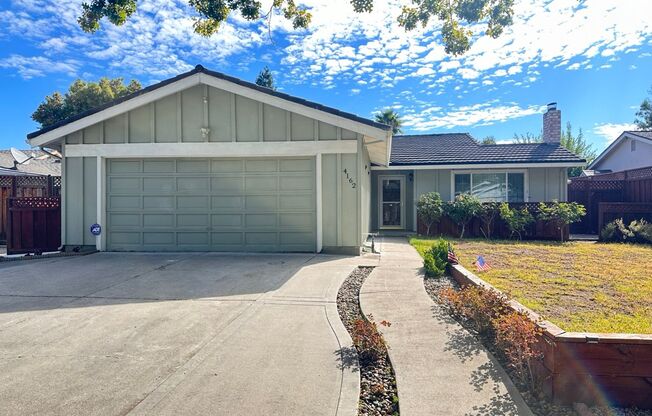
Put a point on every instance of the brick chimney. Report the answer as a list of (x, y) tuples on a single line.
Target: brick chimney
[(552, 124)]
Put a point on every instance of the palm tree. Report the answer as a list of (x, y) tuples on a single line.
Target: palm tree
[(391, 118)]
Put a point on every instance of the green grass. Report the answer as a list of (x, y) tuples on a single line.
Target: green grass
[(578, 286)]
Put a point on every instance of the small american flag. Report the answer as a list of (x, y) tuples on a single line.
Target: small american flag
[(482, 265), (452, 258)]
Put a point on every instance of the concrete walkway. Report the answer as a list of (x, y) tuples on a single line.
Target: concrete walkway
[(440, 368), (176, 334)]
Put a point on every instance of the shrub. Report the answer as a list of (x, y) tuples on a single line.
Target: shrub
[(429, 209), (462, 209), (516, 337), (435, 259), (617, 232), (368, 340), (561, 214), (487, 214), (475, 305), (517, 220), (642, 231)]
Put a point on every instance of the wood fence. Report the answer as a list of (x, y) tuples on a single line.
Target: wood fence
[(34, 225), (538, 230), (24, 186), (626, 187)]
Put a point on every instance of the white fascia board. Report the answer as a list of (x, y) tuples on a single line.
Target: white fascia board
[(226, 149), (608, 150), (293, 107), (480, 166), (58, 133)]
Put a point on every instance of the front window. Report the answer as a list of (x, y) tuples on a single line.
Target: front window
[(492, 186)]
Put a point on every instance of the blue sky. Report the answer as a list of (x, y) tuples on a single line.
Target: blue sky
[(593, 57)]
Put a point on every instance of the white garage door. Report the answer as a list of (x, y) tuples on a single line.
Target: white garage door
[(211, 204)]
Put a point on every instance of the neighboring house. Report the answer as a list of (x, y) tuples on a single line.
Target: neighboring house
[(204, 161), (25, 180), (631, 150)]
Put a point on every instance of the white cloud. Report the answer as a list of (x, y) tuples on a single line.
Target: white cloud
[(37, 66), (611, 131), (481, 114)]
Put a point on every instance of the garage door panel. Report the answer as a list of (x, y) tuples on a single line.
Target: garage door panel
[(226, 220), (227, 185), (165, 185), (158, 220), (193, 202), (159, 203), (193, 184), (261, 203), (211, 204)]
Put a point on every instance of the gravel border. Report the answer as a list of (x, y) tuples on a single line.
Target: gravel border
[(539, 405), (378, 393)]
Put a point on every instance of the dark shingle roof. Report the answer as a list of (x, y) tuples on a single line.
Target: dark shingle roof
[(48, 166), (647, 134), (462, 149), (201, 69)]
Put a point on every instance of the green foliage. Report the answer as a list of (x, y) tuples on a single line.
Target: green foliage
[(579, 146), (528, 138), (561, 214), (617, 232), (463, 208), (210, 14), (517, 220), (391, 118), (429, 209), (488, 140), (435, 259), (265, 78), (644, 114), (81, 96), (487, 214), (497, 14)]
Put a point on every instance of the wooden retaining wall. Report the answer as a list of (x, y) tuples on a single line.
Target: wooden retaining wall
[(590, 368)]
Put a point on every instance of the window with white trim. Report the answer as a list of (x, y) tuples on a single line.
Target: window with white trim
[(491, 186)]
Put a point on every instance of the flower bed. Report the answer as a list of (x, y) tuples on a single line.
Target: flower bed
[(378, 394)]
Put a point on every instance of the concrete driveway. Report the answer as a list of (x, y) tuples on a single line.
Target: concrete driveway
[(175, 334)]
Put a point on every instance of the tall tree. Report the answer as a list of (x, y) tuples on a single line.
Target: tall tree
[(457, 16), (265, 78), (576, 144), (644, 114), (488, 140), (579, 146), (391, 118), (528, 138), (81, 96)]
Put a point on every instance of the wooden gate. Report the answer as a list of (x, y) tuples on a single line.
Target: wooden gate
[(34, 225)]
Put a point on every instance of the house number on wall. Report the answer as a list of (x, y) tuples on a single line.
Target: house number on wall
[(351, 181)]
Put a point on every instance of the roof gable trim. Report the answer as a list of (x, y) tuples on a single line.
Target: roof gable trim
[(614, 145)]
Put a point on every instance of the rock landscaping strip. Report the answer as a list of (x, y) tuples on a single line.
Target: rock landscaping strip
[(378, 394), (537, 402)]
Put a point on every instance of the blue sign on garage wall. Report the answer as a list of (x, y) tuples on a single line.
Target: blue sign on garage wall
[(96, 229)]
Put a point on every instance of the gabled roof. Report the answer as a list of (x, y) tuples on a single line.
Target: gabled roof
[(462, 149), (218, 75), (646, 135), (50, 166)]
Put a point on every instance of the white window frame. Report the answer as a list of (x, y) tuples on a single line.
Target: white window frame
[(526, 180), (400, 178)]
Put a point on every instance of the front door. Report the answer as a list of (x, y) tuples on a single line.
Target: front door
[(391, 191)]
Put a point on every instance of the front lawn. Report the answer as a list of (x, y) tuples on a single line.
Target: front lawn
[(580, 287)]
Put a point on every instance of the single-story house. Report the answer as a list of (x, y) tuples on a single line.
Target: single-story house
[(205, 161), (630, 150)]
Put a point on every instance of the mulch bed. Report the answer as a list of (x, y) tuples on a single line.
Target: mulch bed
[(378, 394), (538, 404)]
